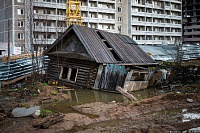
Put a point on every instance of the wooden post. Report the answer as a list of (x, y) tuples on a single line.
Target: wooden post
[(8, 40), (126, 94)]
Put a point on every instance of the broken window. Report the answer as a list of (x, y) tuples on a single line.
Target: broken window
[(69, 74), (73, 74)]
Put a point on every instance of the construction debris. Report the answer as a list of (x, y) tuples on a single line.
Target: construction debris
[(48, 121), (125, 93), (22, 112)]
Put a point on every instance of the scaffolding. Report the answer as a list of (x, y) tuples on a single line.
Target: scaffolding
[(73, 12)]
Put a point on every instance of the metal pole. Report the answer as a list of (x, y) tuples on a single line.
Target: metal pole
[(8, 40)]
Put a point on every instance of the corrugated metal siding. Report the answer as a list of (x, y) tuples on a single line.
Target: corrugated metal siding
[(94, 44), (129, 53)]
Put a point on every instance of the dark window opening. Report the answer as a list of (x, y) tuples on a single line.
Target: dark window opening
[(109, 47), (107, 44), (115, 55), (100, 35), (69, 74), (73, 74), (65, 72)]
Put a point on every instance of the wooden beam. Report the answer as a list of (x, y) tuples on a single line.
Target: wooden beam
[(126, 94), (14, 80)]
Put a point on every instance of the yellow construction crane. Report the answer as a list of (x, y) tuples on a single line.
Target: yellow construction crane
[(73, 12)]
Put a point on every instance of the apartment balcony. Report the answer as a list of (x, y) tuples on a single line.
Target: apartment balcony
[(159, 24), (61, 6), (93, 20), (138, 32), (84, 8), (176, 9), (192, 27), (43, 41), (192, 33), (149, 5), (167, 7), (150, 41), (45, 4), (158, 7), (176, 25), (105, 20), (93, 9), (158, 15), (173, 33), (105, 1), (176, 17), (106, 10), (192, 39), (49, 29), (176, 1), (138, 22), (98, 20), (138, 5), (49, 17), (149, 14), (133, 13)]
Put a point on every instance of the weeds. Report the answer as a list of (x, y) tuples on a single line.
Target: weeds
[(53, 93), (44, 112)]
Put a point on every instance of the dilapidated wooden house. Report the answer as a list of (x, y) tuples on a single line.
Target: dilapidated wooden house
[(92, 58)]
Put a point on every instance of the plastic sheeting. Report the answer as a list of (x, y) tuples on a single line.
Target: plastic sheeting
[(17, 68), (169, 52)]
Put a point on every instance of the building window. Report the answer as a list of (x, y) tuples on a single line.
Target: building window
[(48, 11), (35, 11), (20, 11), (119, 19), (44, 11), (47, 0), (20, 1), (48, 36), (20, 36), (119, 9), (69, 74), (20, 23), (119, 1), (108, 27), (59, 1), (22, 48), (36, 35)]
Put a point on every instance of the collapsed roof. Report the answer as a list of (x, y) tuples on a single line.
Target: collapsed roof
[(103, 47)]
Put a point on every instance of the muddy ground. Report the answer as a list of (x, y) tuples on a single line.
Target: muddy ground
[(138, 117)]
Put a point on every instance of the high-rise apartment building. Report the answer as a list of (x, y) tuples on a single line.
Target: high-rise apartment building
[(14, 12), (191, 21), (146, 21)]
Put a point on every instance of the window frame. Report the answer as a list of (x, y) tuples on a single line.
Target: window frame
[(68, 77), (20, 36), (20, 23), (20, 11), (20, 1)]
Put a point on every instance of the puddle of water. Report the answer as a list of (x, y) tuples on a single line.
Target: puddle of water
[(82, 96), (184, 115), (145, 93)]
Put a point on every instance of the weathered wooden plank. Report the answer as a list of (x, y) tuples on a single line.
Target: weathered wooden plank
[(126, 94)]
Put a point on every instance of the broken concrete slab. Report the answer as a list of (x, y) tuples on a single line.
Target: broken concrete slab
[(22, 112)]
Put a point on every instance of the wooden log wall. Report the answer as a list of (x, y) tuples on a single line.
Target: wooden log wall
[(87, 71)]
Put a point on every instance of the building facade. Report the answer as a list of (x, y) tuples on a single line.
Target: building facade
[(148, 22), (14, 13), (191, 21)]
